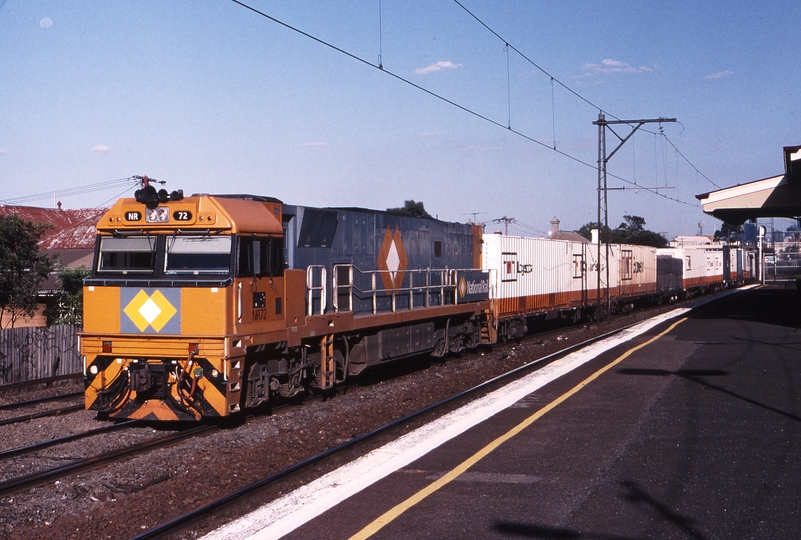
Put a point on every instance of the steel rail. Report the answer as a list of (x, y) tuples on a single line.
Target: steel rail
[(38, 478), (67, 438), (36, 401), (36, 382), (32, 416)]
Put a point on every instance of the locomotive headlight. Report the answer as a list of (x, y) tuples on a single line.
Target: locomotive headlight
[(160, 214), (215, 373), (93, 369)]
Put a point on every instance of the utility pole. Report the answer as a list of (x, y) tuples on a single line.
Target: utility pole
[(507, 221), (605, 302), (475, 216)]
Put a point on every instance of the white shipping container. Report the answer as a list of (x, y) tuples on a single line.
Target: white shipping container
[(534, 275), (538, 275), (636, 275), (702, 266)]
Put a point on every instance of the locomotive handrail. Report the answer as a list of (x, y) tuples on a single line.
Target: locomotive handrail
[(374, 291), (311, 287), (239, 302), (336, 286), (447, 280)]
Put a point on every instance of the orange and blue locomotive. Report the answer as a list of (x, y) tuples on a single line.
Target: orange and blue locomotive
[(207, 305)]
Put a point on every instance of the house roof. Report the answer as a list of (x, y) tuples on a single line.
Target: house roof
[(72, 228), (568, 235)]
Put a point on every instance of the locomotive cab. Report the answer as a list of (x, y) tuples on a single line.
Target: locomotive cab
[(173, 285)]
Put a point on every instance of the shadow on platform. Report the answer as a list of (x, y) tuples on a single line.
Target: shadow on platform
[(778, 305)]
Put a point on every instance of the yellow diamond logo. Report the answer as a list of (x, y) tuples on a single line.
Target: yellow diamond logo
[(150, 310)]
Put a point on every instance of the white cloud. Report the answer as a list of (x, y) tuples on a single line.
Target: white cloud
[(439, 66), (5, 152), (46, 23), (101, 149), (303, 145), (719, 75), (609, 66)]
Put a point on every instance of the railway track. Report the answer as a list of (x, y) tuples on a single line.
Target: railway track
[(42, 414), (207, 510), (54, 473), (29, 449), (36, 402), (29, 402), (47, 381)]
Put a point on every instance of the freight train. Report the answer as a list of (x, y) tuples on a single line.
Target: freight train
[(204, 306)]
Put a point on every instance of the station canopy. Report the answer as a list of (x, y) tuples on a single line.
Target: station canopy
[(778, 196)]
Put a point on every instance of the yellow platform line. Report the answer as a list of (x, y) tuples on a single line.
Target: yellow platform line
[(460, 469)]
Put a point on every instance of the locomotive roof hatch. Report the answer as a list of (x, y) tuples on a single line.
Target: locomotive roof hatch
[(249, 216)]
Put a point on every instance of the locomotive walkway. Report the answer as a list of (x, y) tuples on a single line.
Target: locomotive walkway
[(687, 428)]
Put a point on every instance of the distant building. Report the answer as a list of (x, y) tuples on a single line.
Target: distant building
[(681, 241), (71, 241), (556, 234)]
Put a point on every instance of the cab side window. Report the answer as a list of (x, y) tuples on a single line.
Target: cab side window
[(260, 256)]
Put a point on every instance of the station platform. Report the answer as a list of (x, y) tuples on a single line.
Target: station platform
[(685, 426)]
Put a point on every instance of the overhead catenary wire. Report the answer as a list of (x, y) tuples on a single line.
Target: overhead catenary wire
[(698, 172), (69, 192), (91, 219), (553, 114), (380, 38), (551, 146), (458, 105), (563, 85), (508, 85)]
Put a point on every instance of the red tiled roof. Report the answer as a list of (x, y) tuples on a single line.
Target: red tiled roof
[(72, 229)]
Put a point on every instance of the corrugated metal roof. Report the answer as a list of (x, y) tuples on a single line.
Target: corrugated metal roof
[(72, 229)]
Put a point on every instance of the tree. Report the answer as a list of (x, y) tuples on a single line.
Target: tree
[(414, 209), (631, 231), (586, 231), (632, 224), (728, 232), (68, 305), (22, 268)]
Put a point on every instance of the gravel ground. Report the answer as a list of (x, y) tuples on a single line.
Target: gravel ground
[(124, 499)]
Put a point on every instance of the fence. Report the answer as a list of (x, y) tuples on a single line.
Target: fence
[(782, 267), (28, 354)]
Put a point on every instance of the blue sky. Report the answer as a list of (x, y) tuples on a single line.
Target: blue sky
[(212, 97)]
